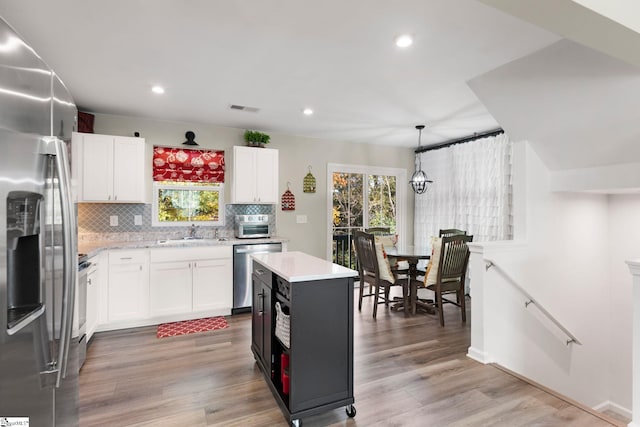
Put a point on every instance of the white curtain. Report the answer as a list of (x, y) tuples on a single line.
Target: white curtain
[(471, 191)]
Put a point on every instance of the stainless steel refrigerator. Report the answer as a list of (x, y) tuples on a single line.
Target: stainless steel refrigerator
[(38, 255)]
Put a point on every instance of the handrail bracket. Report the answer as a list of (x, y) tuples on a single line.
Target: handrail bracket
[(488, 265)]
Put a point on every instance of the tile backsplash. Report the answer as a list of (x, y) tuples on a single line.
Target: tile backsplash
[(94, 222)]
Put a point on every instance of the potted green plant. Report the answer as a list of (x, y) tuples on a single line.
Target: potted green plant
[(254, 138)]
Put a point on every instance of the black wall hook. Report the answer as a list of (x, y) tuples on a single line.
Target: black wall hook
[(190, 138)]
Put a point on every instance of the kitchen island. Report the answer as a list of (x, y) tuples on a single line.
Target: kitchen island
[(302, 332)]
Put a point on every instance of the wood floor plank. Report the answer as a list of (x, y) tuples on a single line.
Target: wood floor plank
[(408, 371)]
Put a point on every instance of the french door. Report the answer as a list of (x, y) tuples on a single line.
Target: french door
[(362, 197)]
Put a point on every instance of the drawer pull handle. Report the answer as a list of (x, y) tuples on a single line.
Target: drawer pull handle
[(128, 257)]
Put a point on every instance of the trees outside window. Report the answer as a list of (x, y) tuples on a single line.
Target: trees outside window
[(180, 204), (361, 197)]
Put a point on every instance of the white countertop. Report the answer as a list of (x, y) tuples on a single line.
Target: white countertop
[(93, 247), (301, 267)]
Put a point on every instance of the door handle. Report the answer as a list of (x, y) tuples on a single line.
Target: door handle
[(68, 253)]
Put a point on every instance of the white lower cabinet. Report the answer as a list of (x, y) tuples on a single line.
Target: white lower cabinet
[(128, 293), (141, 287), (191, 280), (170, 287), (213, 284)]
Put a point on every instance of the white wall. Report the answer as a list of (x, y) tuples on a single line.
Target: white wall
[(624, 244), (565, 266), (296, 154)]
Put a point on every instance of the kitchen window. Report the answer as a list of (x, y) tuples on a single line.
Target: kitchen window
[(187, 187), (186, 203)]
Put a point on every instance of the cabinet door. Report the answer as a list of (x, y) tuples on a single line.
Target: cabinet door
[(244, 175), (261, 322), (128, 291), (170, 288), (97, 168), (213, 284), (266, 167), (128, 169), (93, 285)]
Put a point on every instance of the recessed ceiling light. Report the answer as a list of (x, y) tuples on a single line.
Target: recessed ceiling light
[(307, 111), (157, 89), (404, 40)]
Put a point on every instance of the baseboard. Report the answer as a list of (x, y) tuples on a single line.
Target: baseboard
[(569, 400), (615, 408), (478, 356), (156, 320)]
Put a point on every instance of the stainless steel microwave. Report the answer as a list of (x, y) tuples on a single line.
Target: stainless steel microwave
[(252, 226)]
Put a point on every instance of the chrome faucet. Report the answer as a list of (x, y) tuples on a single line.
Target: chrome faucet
[(192, 233)]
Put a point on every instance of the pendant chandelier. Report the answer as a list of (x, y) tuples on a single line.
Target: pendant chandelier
[(419, 181)]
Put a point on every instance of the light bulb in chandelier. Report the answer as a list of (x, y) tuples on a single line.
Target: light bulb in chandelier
[(419, 181)]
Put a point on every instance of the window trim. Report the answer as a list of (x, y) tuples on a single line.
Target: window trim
[(158, 185), (401, 197)]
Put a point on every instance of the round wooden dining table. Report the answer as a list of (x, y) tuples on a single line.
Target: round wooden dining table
[(412, 257)]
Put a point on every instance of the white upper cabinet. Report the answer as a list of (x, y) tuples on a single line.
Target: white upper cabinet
[(255, 175), (109, 168)]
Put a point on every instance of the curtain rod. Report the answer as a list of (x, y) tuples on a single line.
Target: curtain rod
[(461, 140)]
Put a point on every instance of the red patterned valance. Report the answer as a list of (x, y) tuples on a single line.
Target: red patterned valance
[(184, 165)]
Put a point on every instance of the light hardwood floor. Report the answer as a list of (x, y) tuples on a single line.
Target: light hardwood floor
[(408, 372)]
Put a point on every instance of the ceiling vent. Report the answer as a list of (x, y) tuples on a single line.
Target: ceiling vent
[(244, 108)]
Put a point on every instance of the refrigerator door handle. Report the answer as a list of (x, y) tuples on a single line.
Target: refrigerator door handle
[(69, 257)]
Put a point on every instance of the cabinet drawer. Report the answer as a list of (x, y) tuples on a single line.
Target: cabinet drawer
[(191, 254), (127, 257), (262, 273)]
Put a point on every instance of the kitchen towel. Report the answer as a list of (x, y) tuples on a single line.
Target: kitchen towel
[(191, 326)]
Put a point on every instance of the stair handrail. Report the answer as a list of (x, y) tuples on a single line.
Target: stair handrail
[(531, 300)]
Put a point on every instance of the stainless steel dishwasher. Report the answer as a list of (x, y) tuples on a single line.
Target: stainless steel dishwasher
[(242, 272)]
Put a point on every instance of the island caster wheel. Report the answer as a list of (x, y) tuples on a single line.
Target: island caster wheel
[(296, 423), (351, 411)]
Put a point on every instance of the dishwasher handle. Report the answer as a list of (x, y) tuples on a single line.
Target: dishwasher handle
[(254, 252)]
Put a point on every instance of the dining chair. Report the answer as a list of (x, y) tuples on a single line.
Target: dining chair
[(374, 269), (384, 236), (448, 273), (443, 232)]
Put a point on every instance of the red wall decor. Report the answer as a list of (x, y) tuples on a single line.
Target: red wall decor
[(288, 201), (186, 165)]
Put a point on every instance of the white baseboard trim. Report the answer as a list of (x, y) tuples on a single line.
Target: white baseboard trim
[(150, 321), (614, 407), (478, 356)]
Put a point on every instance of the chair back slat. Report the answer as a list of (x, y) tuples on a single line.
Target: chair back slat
[(379, 231), (447, 232)]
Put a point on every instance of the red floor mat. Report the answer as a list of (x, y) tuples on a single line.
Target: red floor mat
[(191, 326)]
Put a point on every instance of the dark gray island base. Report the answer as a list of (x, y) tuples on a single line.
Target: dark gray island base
[(313, 373)]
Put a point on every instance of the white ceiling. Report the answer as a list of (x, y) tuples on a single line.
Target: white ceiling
[(280, 56), (576, 106)]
